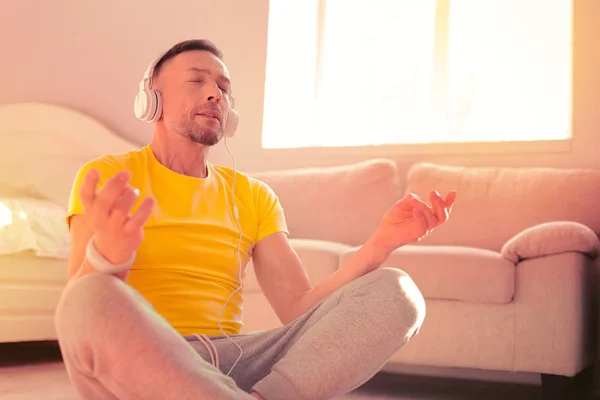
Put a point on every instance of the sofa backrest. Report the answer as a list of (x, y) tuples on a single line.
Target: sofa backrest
[(493, 203), (342, 204)]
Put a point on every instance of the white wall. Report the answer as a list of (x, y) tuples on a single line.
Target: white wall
[(91, 55)]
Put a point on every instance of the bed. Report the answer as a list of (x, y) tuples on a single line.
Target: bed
[(41, 148)]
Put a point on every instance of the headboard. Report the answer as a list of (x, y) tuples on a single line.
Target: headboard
[(43, 145)]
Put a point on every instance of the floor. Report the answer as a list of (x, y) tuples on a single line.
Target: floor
[(35, 371)]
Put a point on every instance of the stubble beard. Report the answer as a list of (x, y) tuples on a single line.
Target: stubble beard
[(193, 131)]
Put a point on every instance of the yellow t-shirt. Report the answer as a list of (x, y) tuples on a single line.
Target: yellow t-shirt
[(188, 265)]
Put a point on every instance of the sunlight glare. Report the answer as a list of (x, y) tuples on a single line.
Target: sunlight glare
[(374, 60), (372, 80), (516, 79), (290, 70), (5, 215)]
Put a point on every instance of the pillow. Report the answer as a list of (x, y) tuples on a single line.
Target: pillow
[(30, 224)]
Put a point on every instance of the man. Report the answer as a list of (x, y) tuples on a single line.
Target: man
[(152, 299)]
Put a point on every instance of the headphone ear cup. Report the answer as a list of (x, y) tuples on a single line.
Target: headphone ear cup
[(157, 106), (231, 123), (147, 106), (140, 105)]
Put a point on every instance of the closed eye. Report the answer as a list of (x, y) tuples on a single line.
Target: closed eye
[(223, 89)]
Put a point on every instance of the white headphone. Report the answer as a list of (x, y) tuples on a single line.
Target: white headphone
[(148, 104)]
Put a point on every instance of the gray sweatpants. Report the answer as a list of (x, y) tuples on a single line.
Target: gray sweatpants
[(115, 345)]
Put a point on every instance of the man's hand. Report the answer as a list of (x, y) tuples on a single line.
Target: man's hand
[(117, 233), (410, 220)]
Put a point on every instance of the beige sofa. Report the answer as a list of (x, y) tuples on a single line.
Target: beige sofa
[(509, 280)]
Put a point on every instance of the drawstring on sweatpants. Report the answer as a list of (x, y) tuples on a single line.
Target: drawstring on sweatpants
[(212, 350)]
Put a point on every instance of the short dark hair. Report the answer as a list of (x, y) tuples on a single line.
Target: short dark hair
[(187, 45)]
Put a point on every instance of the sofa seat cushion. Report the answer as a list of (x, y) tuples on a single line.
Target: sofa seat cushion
[(319, 257), (454, 272)]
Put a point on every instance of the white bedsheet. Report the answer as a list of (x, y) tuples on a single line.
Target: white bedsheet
[(30, 224)]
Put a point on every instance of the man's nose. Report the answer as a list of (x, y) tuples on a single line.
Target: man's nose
[(212, 93)]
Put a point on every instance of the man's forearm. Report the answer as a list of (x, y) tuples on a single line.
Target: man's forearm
[(368, 258)]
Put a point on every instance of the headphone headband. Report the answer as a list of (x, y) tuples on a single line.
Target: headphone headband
[(146, 82)]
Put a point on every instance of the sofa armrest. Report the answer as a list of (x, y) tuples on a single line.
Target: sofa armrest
[(555, 309), (551, 238)]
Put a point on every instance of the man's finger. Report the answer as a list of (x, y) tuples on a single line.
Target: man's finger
[(111, 190), (87, 191), (139, 218), (450, 197), (406, 203), (122, 206), (439, 206), (420, 205), (420, 217)]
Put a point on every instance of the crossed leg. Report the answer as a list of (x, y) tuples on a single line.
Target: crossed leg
[(117, 347)]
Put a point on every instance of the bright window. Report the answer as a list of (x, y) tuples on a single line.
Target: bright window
[(379, 72)]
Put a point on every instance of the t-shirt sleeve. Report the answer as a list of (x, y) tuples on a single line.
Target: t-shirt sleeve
[(107, 166), (271, 218)]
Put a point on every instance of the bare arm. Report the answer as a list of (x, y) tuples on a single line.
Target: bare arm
[(284, 281), (81, 234), (281, 274)]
